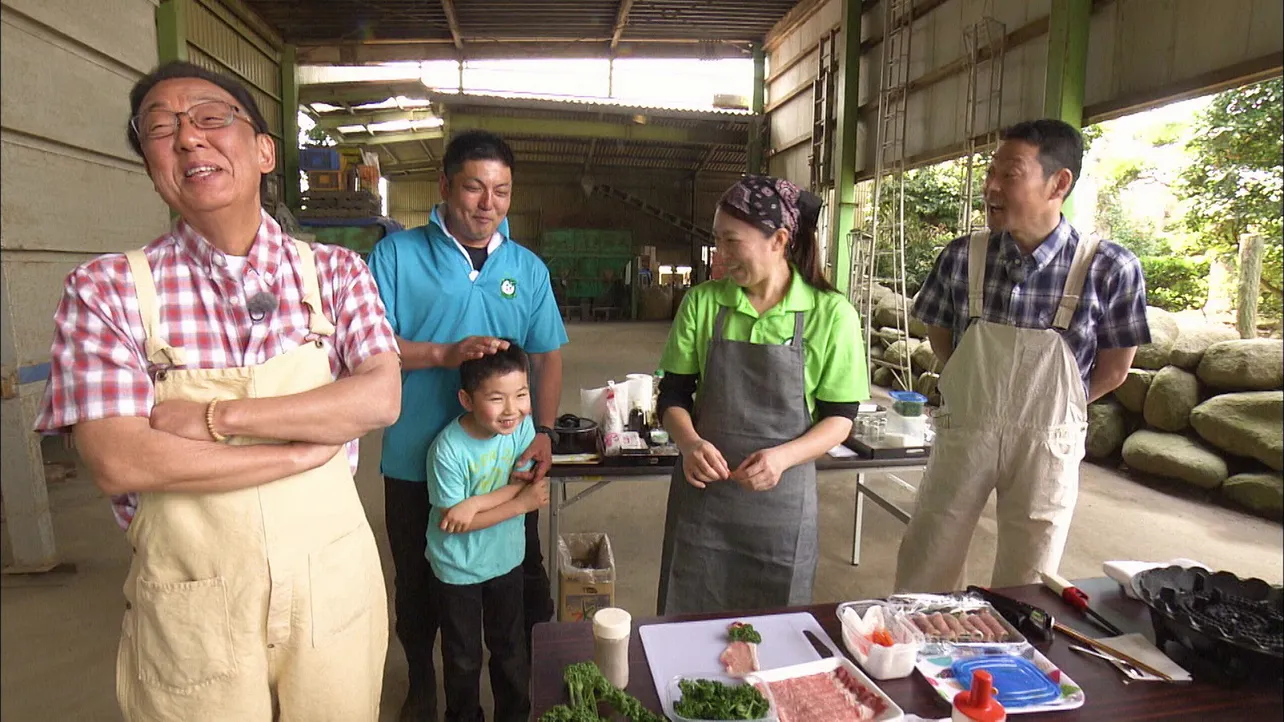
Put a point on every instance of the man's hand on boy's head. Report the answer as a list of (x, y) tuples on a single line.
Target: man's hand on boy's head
[(458, 517), (534, 495), (472, 348), (541, 452)]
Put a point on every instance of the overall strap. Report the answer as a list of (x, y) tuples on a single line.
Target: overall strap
[(717, 322), (159, 352), (797, 341), (976, 251), (318, 324), (1073, 291)]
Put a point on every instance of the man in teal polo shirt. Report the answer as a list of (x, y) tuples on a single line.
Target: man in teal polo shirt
[(453, 289)]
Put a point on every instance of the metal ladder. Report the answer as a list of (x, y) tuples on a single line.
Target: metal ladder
[(878, 256), (983, 43), (654, 211), (822, 113)]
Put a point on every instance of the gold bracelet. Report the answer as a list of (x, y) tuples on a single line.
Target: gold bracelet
[(209, 422)]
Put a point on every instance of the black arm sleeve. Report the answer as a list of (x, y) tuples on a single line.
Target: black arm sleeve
[(677, 390), (844, 409)]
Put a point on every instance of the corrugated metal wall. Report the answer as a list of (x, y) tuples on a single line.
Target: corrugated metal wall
[(220, 41), (1141, 53), (550, 198)]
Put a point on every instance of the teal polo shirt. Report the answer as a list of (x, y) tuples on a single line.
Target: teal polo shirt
[(426, 284)]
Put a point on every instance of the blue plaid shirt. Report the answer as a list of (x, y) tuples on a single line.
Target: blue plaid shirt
[(1024, 291)]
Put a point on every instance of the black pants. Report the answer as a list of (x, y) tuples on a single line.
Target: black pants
[(406, 513), (491, 610)]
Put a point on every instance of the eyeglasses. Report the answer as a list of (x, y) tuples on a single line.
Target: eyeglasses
[(161, 123)]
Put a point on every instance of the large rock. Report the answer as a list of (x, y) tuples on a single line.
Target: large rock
[(888, 311), (883, 376), (879, 292), (1107, 427), (1172, 396), (1249, 365), (1163, 333), (901, 351), (1245, 424), (926, 385), (917, 328), (1132, 392), (876, 350), (1262, 492), (1175, 457), (1193, 341), (889, 335), (925, 359)]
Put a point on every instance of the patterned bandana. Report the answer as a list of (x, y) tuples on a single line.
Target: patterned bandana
[(771, 201)]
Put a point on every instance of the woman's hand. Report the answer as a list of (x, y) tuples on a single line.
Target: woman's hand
[(702, 463), (761, 470)]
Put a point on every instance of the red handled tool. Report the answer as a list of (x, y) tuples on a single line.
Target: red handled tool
[(1077, 599)]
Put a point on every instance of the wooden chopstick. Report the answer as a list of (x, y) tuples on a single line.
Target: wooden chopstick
[(1103, 647)]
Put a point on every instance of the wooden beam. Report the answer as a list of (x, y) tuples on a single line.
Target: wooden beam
[(448, 6), (410, 136), (331, 121), (621, 21)]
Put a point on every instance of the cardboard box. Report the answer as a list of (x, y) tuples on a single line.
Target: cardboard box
[(586, 572), (325, 180)]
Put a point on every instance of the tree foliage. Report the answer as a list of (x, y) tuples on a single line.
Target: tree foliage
[(1235, 182)]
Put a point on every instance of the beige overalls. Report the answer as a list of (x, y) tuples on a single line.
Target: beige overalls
[(259, 604)]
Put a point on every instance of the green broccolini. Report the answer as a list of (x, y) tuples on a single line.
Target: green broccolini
[(706, 699), (744, 633), (587, 687)]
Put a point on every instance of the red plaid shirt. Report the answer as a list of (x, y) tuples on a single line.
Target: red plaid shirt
[(99, 367)]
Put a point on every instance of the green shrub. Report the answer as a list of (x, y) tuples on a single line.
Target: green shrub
[(1175, 284)]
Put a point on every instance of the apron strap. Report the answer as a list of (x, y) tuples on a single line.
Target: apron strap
[(797, 341), (159, 352), (717, 323), (976, 251), (318, 324), (1073, 291)]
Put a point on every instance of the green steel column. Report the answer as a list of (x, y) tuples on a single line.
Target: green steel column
[(290, 127), (171, 31), (1067, 64), (759, 102), (847, 94)]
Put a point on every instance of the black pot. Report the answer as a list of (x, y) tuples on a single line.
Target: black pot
[(576, 435)]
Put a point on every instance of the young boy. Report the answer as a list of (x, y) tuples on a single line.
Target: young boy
[(476, 536)]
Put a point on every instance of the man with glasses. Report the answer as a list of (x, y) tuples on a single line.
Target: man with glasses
[(216, 383)]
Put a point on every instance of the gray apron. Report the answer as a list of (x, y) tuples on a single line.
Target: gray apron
[(726, 548)]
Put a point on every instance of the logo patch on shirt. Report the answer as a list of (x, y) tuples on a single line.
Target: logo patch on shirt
[(508, 288)]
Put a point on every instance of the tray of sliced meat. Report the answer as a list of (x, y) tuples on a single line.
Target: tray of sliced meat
[(960, 620), (833, 690)]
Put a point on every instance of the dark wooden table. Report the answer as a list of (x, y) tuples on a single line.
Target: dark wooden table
[(1107, 697)]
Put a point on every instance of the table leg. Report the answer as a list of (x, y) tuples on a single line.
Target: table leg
[(858, 521), (554, 531)]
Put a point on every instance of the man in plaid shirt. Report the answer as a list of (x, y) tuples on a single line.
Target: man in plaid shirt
[(210, 381), (1032, 321)]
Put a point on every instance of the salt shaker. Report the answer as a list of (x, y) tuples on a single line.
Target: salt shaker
[(611, 629)]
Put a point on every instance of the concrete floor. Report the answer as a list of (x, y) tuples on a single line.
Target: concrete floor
[(59, 632)]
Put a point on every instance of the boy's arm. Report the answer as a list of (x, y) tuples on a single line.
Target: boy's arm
[(490, 500), (528, 498)]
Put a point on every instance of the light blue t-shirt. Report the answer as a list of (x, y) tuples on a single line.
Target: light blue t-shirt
[(461, 467), (424, 281)]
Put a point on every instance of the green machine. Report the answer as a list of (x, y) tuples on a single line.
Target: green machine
[(591, 266)]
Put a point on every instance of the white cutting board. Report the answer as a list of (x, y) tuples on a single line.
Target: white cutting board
[(693, 648)]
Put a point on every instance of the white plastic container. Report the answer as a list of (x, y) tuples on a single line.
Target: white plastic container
[(881, 662), (891, 711), (673, 694)]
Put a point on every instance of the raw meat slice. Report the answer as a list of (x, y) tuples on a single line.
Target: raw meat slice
[(976, 630), (739, 659), (994, 625), (956, 628), (829, 697)]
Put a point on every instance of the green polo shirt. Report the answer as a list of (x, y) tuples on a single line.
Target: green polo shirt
[(834, 347)]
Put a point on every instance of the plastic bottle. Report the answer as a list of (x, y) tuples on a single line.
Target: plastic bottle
[(978, 704), (613, 422)]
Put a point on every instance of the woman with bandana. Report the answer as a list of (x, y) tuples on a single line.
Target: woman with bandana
[(764, 371)]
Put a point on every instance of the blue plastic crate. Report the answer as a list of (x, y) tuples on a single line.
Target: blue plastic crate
[(318, 159)]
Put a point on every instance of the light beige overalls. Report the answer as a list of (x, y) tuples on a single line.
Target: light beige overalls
[(259, 604)]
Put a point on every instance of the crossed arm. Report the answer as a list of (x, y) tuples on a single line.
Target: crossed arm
[(482, 512), (173, 450)]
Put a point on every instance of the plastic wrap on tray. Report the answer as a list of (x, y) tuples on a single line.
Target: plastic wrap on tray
[(956, 619), (881, 638)]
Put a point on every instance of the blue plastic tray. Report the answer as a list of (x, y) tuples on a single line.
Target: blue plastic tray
[(1017, 681)]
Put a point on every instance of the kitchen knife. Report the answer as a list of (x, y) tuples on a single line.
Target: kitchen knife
[(821, 648)]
